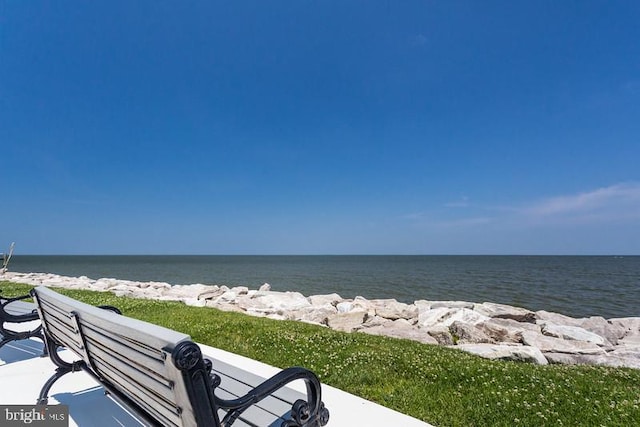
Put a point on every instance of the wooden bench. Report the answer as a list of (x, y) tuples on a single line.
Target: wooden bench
[(161, 375), (14, 310)]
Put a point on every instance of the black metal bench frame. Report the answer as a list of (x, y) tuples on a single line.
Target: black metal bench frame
[(196, 379), (9, 335)]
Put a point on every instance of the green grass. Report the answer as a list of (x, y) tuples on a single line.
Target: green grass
[(441, 386)]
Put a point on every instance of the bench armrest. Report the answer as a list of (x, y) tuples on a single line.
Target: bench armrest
[(310, 412), (16, 318)]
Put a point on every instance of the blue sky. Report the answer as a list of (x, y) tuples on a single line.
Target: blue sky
[(320, 127)]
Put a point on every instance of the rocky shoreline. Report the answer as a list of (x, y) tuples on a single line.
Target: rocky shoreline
[(493, 331)]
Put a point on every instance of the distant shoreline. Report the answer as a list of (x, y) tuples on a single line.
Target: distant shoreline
[(490, 330)]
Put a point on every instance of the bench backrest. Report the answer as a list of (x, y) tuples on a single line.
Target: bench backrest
[(156, 371)]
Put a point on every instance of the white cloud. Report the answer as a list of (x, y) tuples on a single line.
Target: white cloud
[(631, 86), (462, 203), (616, 202), (432, 221), (464, 222), (419, 40), (601, 220), (413, 215)]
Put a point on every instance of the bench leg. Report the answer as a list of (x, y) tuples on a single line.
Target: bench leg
[(64, 368), (43, 397)]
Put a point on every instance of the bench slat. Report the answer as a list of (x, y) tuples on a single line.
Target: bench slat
[(113, 368), (58, 325), (103, 345)]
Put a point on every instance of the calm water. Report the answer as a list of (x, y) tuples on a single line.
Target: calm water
[(576, 286)]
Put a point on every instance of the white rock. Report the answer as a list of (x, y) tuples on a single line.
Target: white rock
[(393, 310), (557, 318), (572, 333), (228, 297), (606, 359), (240, 290), (361, 303), (372, 321), (630, 341), (630, 327), (556, 345), (446, 316), (265, 287), (400, 329), (344, 306), (275, 301), (506, 330), (313, 314), (502, 311), (505, 352), (445, 304), (464, 333), (596, 324), (603, 327), (347, 322), (210, 294), (441, 334), (321, 300)]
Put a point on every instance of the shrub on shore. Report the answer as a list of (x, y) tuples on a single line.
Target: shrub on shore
[(439, 385)]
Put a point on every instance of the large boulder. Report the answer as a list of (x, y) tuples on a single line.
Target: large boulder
[(446, 316), (607, 329), (181, 292), (211, 293), (356, 304), (428, 305), (502, 311), (548, 344), (265, 287), (314, 314), (465, 333), (400, 329), (347, 321), (506, 330), (603, 327), (321, 300), (517, 353), (371, 321), (393, 310), (557, 318), (361, 303), (613, 359), (630, 341), (630, 327), (275, 302), (227, 297), (627, 353), (441, 334), (573, 333)]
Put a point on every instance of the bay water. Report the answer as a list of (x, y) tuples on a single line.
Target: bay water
[(577, 286)]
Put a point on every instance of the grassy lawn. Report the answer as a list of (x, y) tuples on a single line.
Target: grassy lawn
[(441, 386)]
